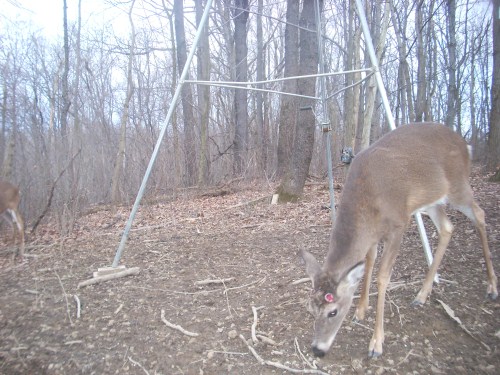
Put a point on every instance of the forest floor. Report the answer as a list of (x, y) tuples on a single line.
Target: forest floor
[(251, 248)]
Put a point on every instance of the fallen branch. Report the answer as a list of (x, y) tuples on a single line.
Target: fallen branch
[(135, 363), (99, 279), (175, 326), (216, 281), (254, 324), (78, 305), (297, 347), (452, 315), (280, 366)]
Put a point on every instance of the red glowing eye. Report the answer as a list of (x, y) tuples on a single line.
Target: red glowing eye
[(329, 297)]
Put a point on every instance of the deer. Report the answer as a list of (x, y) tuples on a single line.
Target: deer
[(9, 204), (419, 167)]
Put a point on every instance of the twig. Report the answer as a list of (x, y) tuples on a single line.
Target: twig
[(175, 326), (362, 325), (302, 356), (266, 340), (65, 298), (300, 281), (452, 315), (78, 305), (254, 324), (244, 286), (214, 281), (119, 309), (135, 363), (51, 194), (263, 362), (98, 279)]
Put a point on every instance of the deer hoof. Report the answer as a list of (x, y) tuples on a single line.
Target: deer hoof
[(491, 296), (416, 303), (318, 352), (374, 354)]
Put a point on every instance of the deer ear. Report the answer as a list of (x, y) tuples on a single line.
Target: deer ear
[(349, 283), (313, 269)]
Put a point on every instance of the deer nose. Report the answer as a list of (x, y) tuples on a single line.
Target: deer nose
[(318, 352)]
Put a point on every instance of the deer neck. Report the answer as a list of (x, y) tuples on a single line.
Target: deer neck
[(351, 238)]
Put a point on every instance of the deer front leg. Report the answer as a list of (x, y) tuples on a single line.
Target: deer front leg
[(391, 250), (365, 291)]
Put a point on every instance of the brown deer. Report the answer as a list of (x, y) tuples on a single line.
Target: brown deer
[(9, 204), (417, 167)]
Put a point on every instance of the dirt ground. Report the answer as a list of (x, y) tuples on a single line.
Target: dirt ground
[(252, 247)]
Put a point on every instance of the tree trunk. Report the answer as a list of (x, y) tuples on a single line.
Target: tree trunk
[(65, 90), (288, 108), (371, 87), (452, 100), (421, 60), (175, 129), (120, 155), (203, 66), (187, 97), (292, 185), (261, 151), (494, 131), (352, 61), (240, 96)]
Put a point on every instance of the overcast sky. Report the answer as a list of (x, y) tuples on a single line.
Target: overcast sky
[(47, 15)]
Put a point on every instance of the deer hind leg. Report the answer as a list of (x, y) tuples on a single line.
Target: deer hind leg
[(391, 250), (445, 229), (476, 215), (18, 225), (365, 291)]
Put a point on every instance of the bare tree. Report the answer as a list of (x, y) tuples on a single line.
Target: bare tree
[(120, 156), (240, 96), (292, 185), (494, 130), (288, 107), (187, 96), (203, 96)]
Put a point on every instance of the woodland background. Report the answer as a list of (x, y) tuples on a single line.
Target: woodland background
[(80, 115)]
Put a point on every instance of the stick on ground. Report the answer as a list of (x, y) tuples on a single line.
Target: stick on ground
[(175, 326), (99, 279)]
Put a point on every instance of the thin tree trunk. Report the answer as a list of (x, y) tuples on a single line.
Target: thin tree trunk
[(452, 100), (240, 96), (288, 107), (203, 96), (120, 156), (494, 131), (261, 151), (187, 96), (292, 185), (371, 90)]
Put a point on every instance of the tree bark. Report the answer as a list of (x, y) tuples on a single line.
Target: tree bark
[(494, 129), (292, 185), (261, 149), (120, 155), (203, 66), (187, 97), (240, 96), (451, 111), (288, 107)]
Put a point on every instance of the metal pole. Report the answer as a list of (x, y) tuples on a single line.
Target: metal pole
[(325, 118), (390, 118), (142, 188)]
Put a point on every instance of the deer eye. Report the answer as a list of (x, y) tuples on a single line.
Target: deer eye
[(333, 313)]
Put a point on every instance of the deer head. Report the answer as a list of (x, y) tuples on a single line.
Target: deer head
[(329, 301)]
